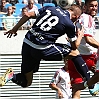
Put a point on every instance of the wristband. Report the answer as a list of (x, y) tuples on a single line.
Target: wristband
[(85, 84)]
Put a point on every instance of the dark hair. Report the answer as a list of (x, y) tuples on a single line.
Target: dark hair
[(88, 1), (24, 8)]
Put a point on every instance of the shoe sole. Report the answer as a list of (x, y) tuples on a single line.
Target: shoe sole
[(2, 81), (2, 78)]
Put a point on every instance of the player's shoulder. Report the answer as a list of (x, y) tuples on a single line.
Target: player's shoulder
[(58, 71), (85, 16), (47, 8)]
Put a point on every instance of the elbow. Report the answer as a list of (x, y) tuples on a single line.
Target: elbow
[(50, 86), (26, 15), (77, 46), (30, 15), (74, 47)]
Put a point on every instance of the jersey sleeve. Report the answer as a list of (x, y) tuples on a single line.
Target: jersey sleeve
[(71, 32), (55, 79), (40, 11)]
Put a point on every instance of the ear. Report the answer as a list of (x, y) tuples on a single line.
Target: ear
[(77, 17), (84, 7)]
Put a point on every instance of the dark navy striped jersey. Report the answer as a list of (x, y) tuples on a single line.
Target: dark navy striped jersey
[(51, 23)]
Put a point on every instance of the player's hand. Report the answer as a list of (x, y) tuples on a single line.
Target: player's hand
[(80, 32), (78, 25), (10, 33), (60, 95)]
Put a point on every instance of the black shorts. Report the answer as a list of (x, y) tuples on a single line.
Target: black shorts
[(31, 57)]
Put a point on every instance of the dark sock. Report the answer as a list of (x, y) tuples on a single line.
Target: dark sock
[(81, 67), (20, 79)]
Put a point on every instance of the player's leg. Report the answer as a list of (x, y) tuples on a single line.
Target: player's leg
[(80, 64), (75, 79), (23, 79), (91, 63), (95, 78), (76, 95), (20, 79), (29, 65), (58, 51)]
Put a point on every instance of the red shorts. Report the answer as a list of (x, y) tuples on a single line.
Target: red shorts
[(74, 75)]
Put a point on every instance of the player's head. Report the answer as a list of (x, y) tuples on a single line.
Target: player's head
[(64, 4), (75, 12), (91, 7), (65, 64)]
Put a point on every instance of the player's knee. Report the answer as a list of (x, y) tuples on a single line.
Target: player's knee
[(26, 83), (20, 79), (29, 83), (29, 77)]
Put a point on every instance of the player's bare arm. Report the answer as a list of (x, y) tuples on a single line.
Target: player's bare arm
[(25, 18), (91, 41), (54, 87), (76, 44)]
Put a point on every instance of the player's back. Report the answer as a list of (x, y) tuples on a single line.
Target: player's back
[(52, 23)]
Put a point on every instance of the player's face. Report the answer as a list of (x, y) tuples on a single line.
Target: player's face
[(92, 8), (24, 12), (66, 65), (74, 18)]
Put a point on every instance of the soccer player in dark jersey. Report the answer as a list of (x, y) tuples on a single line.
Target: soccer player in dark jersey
[(39, 42)]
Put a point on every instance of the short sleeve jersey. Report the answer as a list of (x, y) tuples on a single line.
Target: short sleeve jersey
[(89, 30), (62, 80), (51, 23)]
